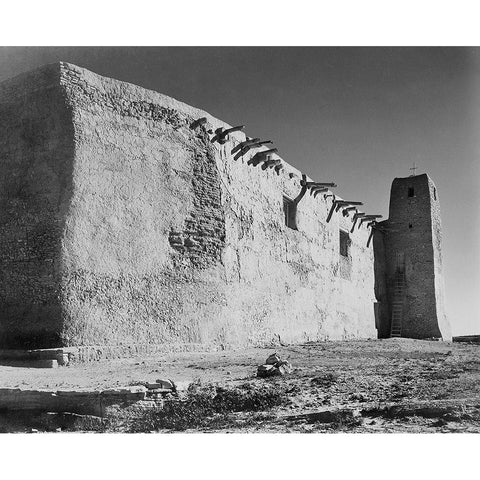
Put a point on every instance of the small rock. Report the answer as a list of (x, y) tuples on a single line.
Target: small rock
[(160, 384), (284, 367), (274, 365), (263, 370), (273, 359)]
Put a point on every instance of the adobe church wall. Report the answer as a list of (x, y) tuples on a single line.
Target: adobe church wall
[(121, 224), (36, 154), (170, 240)]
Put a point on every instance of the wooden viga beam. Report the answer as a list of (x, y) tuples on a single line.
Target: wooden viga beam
[(244, 151), (366, 218), (346, 211), (261, 156), (316, 190), (343, 203), (221, 134), (244, 147), (337, 204), (273, 162), (356, 216), (318, 184), (370, 236), (359, 215), (372, 225)]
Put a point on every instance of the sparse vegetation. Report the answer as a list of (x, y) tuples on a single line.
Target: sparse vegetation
[(208, 406)]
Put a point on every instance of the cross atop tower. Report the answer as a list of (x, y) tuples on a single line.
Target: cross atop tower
[(414, 169)]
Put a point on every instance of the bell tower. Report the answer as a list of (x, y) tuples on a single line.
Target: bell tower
[(412, 238)]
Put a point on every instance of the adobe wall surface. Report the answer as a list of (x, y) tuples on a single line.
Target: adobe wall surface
[(36, 155), (167, 239), (414, 233)]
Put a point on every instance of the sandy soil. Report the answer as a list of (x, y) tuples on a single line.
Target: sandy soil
[(441, 380)]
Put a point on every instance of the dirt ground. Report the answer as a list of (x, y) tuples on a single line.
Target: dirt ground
[(378, 386)]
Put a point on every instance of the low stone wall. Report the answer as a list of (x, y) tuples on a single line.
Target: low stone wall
[(84, 402), (38, 358)]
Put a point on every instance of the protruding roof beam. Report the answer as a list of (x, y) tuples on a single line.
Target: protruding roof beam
[(316, 190), (370, 237), (221, 134), (244, 144), (330, 213), (318, 184), (258, 143), (366, 218), (343, 203), (243, 148), (356, 216), (246, 149), (346, 211), (320, 191), (261, 156), (271, 163), (359, 215)]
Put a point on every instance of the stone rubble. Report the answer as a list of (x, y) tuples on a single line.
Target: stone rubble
[(273, 366)]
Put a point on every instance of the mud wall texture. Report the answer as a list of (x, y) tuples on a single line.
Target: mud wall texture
[(413, 240), (161, 237), (36, 154)]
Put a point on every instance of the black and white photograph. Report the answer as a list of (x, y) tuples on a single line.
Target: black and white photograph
[(255, 240)]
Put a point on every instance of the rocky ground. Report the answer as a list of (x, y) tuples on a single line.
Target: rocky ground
[(377, 386)]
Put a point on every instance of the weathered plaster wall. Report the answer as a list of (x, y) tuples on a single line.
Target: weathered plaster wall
[(167, 239), (443, 323), (414, 232), (36, 154)]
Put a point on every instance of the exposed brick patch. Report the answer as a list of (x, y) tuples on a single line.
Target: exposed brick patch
[(203, 237)]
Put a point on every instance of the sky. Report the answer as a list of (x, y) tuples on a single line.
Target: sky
[(357, 116)]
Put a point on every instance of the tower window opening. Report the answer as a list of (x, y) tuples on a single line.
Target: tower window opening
[(344, 243), (411, 192), (290, 213)]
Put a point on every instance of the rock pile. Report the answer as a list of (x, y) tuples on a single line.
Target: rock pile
[(273, 366)]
